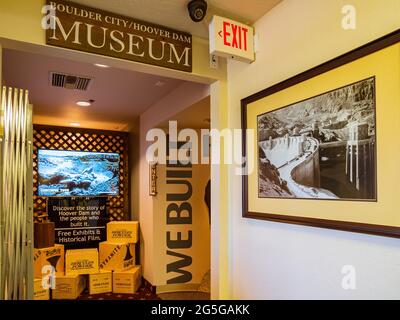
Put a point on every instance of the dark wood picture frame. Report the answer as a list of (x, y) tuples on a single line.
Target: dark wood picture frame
[(381, 230)]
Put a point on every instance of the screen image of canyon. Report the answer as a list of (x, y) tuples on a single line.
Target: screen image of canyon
[(320, 148)]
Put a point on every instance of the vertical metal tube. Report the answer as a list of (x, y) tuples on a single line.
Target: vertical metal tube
[(16, 216), (2, 213), (29, 202), (1, 174)]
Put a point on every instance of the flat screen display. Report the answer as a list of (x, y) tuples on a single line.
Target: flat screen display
[(77, 174)]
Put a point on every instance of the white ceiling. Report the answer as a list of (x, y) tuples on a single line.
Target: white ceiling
[(120, 95), (174, 14)]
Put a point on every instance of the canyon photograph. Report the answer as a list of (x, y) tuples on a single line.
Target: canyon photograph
[(320, 148)]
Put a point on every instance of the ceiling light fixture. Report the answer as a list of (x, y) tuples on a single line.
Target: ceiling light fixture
[(160, 84), (85, 103), (101, 65)]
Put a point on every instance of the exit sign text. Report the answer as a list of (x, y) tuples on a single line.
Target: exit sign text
[(231, 39)]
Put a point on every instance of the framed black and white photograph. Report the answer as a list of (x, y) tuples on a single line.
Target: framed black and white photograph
[(322, 147)]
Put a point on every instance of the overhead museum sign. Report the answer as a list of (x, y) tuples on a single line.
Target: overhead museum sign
[(91, 30)]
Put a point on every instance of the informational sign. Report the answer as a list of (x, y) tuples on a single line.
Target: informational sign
[(82, 28), (79, 222), (231, 39)]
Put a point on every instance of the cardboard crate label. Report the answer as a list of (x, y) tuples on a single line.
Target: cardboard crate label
[(53, 256), (116, 256), (100, 282), (127, 281), (122, 231), (40, 293), (81, 261), (69, 287), (82, 264)]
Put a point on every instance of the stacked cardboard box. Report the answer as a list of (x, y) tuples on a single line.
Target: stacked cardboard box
[(40, 291), (112, 268), (123, 231), (47, 264), (127, 281), (100, 282), (117, 254), (69, 287), (48, 260), (81, 261)]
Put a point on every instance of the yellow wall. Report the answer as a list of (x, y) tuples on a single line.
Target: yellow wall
[(21, 20), (279, 261), (220, 190)]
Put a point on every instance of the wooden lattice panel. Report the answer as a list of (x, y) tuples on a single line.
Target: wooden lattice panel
[(74, 139)]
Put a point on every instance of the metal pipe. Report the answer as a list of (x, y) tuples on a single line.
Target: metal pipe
[(16, 216), (2, 214)]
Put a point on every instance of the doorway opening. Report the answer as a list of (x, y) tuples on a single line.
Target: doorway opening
[(90, 123)]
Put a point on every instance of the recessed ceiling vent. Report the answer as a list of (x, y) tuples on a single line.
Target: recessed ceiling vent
[(69, 81)]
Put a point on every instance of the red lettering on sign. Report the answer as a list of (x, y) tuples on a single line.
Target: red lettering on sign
[(226, 34), (245, 38), (234, 36), (240, 38)]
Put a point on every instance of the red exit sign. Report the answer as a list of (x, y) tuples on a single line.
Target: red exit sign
[(231, 39), (234, 35)]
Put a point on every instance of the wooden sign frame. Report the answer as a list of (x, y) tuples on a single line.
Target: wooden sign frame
[(82, 28)]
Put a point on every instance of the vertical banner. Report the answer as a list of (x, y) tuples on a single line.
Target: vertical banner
[(182, 227), (79, 222)]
